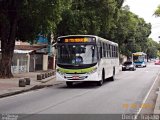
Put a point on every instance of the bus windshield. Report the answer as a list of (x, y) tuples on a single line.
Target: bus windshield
[(138, 58), (76, 54)]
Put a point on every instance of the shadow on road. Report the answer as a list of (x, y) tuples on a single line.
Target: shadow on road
[(85, 85)]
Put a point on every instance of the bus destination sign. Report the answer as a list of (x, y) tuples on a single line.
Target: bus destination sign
[(76, 40)]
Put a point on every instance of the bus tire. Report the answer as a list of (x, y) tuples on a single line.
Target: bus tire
[(69, 84), (113, 76), (100, 83)]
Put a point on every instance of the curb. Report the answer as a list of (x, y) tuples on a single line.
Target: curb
[(157, 106), (47, 79), (35, 87), (25, 90)]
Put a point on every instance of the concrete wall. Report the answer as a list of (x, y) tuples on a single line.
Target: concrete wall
[(45, 62), (122, 59)]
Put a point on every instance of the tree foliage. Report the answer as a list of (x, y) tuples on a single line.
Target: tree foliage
[(106, 18), (157, 14), (157, 11), (152, 48), (25, 19), (89, 17)]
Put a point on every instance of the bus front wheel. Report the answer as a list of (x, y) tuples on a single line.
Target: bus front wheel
[(69, 84), (100, 83)]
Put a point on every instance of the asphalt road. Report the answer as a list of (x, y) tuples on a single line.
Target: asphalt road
[(125, 95)]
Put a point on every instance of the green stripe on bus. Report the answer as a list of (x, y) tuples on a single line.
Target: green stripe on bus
[(86, 70)]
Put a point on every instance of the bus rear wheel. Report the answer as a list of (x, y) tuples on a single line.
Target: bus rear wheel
[(113, 77), (69, 84), (100, 83)]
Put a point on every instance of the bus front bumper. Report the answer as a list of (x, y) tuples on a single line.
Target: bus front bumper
[(77, 77)]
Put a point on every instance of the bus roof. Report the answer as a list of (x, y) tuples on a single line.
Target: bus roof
[(97, 37), (139, 53), (77, 36)]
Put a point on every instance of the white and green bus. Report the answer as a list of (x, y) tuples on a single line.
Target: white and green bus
[(86, 58)]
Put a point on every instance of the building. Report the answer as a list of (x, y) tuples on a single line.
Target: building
[(29, 58)]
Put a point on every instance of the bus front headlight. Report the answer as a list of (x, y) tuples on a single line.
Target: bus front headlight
[(93, 71), (60, 72)]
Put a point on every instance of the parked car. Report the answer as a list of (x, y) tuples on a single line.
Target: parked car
[(157, 62), (128, 65)]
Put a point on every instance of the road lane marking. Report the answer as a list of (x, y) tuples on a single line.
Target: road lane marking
[(145, 99)]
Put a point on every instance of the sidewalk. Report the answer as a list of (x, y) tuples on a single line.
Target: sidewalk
[(10, 87), (157, 105)]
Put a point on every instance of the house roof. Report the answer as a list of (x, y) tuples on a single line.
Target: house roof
[(29, 47), (22, 51)]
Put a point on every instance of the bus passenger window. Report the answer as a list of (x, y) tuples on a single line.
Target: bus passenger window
[(113, 51), (104, 50), (108, 51), (110, 54), (101, 52), (116, 51), (101, 55)]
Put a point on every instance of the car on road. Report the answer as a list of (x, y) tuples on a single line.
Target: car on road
[(157, 62), (128, 65)]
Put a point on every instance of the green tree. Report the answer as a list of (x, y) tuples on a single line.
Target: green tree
[(152, 48), (24, 19), (89, 17), (157, 12), (109, 21), (130, 32)]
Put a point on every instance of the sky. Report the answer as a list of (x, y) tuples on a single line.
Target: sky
[(145, 9)]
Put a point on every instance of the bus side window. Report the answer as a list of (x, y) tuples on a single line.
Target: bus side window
[(104, 50), (107, 50), (110, 51), (101, 55), (100, 50), (114, 51), (98, 55)]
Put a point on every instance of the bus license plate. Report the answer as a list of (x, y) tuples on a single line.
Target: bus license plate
[(75, 77)]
